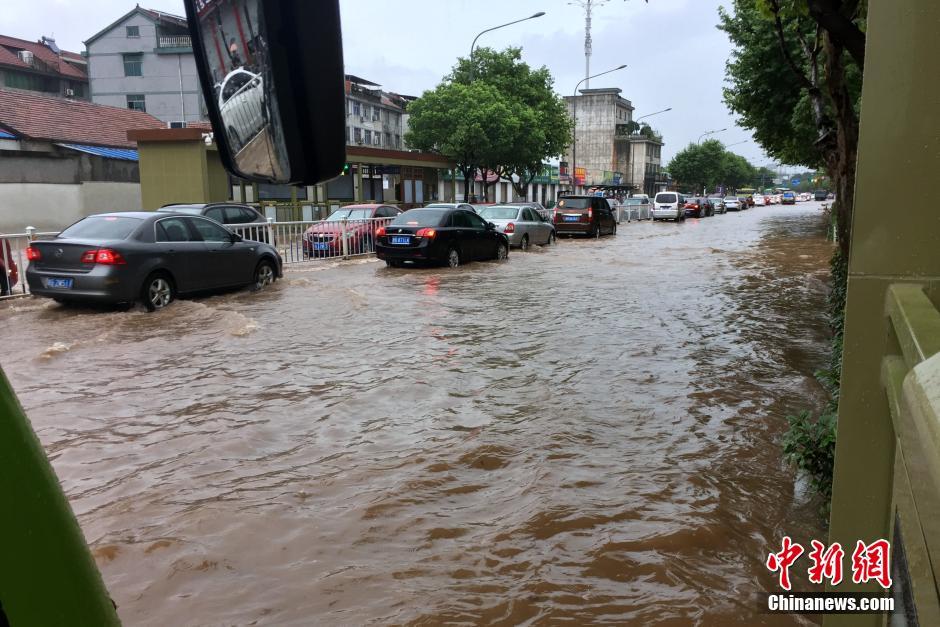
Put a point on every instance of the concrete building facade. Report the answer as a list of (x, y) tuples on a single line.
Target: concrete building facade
[(144, 61), (41, 67), (602, 150), (646, 172)]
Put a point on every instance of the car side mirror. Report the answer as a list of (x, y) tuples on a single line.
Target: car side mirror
[(275, 95), (237, 238), (490, 226)]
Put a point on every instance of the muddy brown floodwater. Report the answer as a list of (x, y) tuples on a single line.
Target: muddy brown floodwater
[(587, 433)]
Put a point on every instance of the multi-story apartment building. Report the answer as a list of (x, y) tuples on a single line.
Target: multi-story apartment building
[(609, 150), (373, 117), (43, 68), (144, 61), (646, 173), (601, 155)]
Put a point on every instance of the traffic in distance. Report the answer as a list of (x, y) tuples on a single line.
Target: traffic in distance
[(152, 258)]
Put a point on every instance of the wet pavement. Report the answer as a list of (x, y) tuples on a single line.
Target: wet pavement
[(585, 433)]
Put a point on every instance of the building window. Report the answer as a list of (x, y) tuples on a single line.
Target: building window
[(368, 137), (388, 139), (32, 82), (357, 134), (376, 114), (133, 31), (397, 141), (133, 64), (347, 133), (136, 102), (378, 138), (357, 108)]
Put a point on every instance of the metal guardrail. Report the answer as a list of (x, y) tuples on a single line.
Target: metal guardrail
[(13, 260), (910, 375), (297, 241), (302, 241)]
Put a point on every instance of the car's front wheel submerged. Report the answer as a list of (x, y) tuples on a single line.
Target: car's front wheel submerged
[(157, 292)]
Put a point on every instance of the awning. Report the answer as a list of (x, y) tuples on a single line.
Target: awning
[(125, 154), (6, 135)]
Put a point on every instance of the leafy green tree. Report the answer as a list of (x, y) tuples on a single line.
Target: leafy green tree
[(466, 123), (736, 171), (698, 166), (540, 124), (795, 79)]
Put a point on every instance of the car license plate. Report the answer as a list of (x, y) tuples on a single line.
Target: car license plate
[(321, 246), (572, 218), (401, 239), (62, 284)]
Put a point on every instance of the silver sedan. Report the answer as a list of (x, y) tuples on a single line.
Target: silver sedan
[(522, 225)]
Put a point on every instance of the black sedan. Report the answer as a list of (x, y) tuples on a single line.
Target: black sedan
[(151, 257), (439, 235)]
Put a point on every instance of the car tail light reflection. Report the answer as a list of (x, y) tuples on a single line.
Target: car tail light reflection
[(510, 228), (380, 232), (104, 256), (428, 233), (33, 254), (590, 214)]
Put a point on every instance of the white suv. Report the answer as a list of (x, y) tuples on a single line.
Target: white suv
[(669, 206)]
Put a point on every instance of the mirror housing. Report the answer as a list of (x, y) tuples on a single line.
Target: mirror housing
[(275, 94), (490, 226), (237, 238)]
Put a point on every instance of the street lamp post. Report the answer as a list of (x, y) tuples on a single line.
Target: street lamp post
[(574, 137), (473, 45), (633, 176), (707, 133)]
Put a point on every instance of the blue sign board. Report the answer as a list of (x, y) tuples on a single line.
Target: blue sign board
[(794, 181)]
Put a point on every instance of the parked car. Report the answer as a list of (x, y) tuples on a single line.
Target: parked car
[(439, 235), (698, 207), (523, 226), (150, 257), (718, 202), (669, 206), (356, 224), (542, 211), (450, 205), (241, 105), (733, 203), (638, 207), (252, 224), (584, 215), (789, 198), (759, 200), (820, 194), (9, 272)]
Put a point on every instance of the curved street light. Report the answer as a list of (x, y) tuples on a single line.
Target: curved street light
[(707, 133), (574, 137), (651, 114), (473, 45), (746, 141)]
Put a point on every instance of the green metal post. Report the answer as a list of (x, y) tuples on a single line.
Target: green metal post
[(47, 574)]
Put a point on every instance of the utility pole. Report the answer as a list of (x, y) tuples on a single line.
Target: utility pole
[(588, 6)]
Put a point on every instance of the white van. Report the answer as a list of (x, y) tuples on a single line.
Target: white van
[(669, 206)]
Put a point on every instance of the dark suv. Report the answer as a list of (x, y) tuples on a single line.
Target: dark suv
[(584, 215)]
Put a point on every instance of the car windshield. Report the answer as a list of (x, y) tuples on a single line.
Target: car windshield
[(350, 214), (190, 209), (731, 199), (574, 203), (420, 217), (499, 213), (666, 198), (102, 227), (234, 83)]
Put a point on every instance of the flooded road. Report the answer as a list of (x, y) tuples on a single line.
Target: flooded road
[(586, 433)]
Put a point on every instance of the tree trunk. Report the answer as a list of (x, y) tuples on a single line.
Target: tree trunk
[(843, 158)]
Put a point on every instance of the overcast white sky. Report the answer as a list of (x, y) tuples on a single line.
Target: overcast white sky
[(675, 55)]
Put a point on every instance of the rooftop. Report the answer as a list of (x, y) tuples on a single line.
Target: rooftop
[(38, 117), (45, 60)]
